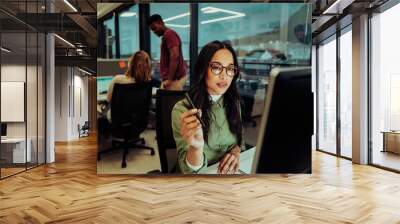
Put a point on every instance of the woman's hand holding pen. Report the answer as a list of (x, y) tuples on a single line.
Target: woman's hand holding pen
[(191, 129)]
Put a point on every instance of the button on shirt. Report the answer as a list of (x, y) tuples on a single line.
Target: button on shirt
[(220, 138)]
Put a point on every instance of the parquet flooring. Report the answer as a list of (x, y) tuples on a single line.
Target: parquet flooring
[(10, 171), (70, 191)]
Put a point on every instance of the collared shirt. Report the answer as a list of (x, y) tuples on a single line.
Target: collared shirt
[(220, 138)]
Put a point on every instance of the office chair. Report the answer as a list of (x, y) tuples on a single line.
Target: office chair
[(129, 117), (165, 102), (83, 130)]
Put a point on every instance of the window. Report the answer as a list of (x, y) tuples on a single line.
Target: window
[(274, 33), (110, 40), (346, 93), (385, 89), (327, 96), (129, 31), (176, 17)]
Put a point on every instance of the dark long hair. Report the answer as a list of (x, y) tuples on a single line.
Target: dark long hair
[(201, 98)]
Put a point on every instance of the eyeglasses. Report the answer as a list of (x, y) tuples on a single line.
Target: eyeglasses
[(217, 68)]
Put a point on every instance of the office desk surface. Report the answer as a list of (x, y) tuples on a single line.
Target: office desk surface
[(246, 162)]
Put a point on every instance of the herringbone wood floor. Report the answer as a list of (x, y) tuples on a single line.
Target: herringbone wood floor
[(70, 191)]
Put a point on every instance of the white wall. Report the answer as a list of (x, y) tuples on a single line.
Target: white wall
[(13, 72), (33, 126), (62, 81), (16, 72), (71, 94)]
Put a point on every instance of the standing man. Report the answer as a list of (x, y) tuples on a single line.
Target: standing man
[(172, 66)]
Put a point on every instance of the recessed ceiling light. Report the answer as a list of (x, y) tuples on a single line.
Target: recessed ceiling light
[(128, 14), (206, 10), (64, 40), (70, 5), (86, 72), (209, 10), (177, 25), (234, 14), (177, 16)]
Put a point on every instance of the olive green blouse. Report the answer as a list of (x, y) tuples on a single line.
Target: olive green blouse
[(220, 138)]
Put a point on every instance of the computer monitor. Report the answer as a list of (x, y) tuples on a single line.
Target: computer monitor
[(284, 140), (3, 130)]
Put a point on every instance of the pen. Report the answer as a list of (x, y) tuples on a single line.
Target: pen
[(192, 105)]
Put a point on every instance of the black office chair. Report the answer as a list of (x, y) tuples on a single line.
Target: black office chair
[(129, 117), (165, 102), (83, 130)]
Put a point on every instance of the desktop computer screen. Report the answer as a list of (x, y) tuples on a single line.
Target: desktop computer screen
[(284, 140)]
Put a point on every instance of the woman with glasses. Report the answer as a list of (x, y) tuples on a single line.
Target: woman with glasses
[(217, 104)]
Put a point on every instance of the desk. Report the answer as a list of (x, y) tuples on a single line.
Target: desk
[(391, 141), (16, 147), (245, 165)]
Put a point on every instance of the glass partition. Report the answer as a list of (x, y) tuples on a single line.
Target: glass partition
[(128, 30), (14, 153), (385, 89), (110, 38), (327, 96), (22, 88)]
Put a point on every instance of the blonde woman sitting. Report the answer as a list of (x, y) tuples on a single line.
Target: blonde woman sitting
[(139, 70)]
